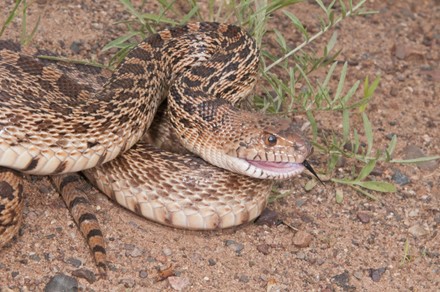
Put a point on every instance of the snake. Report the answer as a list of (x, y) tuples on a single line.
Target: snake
[(194, 75)]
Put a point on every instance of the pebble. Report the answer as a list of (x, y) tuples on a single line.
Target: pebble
[(74, 262), (35, 257), (212, 262), (376, 274), (301, 255), (44, 189), (302, 239), (418, 230), (358, 275), (342, 279), (143, 274), (413, 213), (166, 251), (133, 251), (263, 248), (61, 282), (243, 279), (85, 274), (75, 47), (235, 246), (400, 178), (128, 283), (390, 136), (151, 259), (377, 171), (364, 217), (178, 283), (267, 217)]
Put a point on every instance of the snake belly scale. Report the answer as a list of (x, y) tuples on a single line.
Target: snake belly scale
[(54, 124)]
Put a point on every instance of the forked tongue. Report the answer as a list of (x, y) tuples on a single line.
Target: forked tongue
[(310, 168)]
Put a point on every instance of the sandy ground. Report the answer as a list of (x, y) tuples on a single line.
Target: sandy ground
[(392, 244)]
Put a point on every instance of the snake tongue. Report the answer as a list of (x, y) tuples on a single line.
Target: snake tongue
[(278, 167)]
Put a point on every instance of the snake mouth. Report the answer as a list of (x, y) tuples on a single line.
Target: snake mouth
[(278, 169)]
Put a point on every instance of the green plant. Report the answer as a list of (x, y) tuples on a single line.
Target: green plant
[(25, 37)]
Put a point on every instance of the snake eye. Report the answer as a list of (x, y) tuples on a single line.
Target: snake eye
[(270, 140)]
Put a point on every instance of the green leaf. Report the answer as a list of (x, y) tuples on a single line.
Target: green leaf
[(331, 43), (345, 124), (390, 149), (310, 185), (378, 186), (297, 23), (120, 42), (351, 92), (340, 84), (313, 124), (339, 196), (415, 160), (280, 40), (366, 170), (368, 132)]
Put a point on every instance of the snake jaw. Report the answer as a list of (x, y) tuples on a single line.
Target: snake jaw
[(275, 170)]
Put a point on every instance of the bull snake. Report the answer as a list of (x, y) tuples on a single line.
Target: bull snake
[(53, 124)]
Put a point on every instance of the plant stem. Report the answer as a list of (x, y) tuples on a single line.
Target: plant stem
[(325, 29)]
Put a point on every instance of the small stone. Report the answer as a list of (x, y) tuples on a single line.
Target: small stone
[(377, 171), (85, 274), (76, 47), (263, 248), (390, 136), (400, 178), (400, 51), (267, 217), (394, 92), (301, 255), (364, 217), (166, 251), (212, 262), (74, 262), (235, 246), (358, 275), (243, 279), (178, 283), (135, 252), (45, 189), (413, 213), (302, 239), (128, 283), (151, 259), (418, 230), (35, 257), (376, 274), (342, 279), (143, 274), (61, 282)]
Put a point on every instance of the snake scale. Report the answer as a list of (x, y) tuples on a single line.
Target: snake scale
[(54, 124)]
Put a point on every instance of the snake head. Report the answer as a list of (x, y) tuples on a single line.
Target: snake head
[(269, 147)]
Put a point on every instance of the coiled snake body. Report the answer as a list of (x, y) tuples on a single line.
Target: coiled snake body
[(51, 124)]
